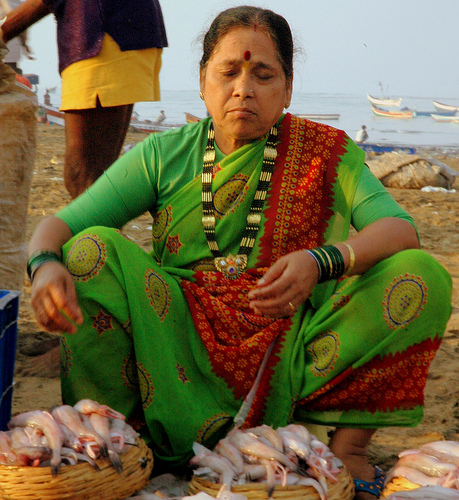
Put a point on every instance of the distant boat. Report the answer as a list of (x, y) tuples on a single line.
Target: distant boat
[(53, 115), (430, 113), (319, 116), (403, 113), (383, 101), (446, 119), (386, 148), (444, 107), (150, 128), (191, 118), (33, 79)]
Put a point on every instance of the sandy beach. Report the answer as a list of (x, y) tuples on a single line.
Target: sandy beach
[(436, 215)]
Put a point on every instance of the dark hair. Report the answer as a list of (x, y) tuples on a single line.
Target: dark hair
[(274, 25)]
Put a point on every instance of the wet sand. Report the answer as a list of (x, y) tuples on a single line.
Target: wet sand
[(436, 215)]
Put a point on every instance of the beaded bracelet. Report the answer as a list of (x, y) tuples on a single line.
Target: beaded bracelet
[(330, 262), (351, 258), (38, 258)]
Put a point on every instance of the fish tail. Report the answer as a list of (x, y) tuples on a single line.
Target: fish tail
[(54, 470), (103, 449), (116, 461)]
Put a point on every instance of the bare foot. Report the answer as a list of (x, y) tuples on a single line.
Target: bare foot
[(46, 365)]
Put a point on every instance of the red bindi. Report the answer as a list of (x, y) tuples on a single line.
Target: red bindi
[(247, 55), (254, 27)]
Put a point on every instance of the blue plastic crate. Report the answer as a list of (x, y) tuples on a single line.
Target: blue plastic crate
[(9, 305)]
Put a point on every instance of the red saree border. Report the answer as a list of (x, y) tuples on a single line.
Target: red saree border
[(384, 384), (299, 205)]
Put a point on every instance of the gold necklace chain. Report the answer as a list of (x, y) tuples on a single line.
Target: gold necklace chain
[(233, 265)]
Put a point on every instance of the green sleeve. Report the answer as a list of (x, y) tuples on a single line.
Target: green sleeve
[(122, 193), (141, 180), (372, 202)]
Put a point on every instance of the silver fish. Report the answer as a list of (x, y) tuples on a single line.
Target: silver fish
[(418, 477), (217, 464), (101, 424), (428, 464), (69, 417), (251, 445), (50, 428), (448, 451), (426, 493)]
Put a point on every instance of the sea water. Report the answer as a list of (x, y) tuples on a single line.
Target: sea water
[(354, 111)]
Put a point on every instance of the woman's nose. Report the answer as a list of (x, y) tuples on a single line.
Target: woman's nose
[(242, 89)]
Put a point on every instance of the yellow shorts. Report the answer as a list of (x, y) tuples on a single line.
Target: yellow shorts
[(110, 76)]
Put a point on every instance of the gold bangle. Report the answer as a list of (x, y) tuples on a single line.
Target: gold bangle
[(350, 267)]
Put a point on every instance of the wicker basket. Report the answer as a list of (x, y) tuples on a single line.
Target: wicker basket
[(342, 490), (398, 484), (79, 481)]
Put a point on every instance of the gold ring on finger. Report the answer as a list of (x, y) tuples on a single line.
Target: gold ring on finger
[(292, 307)]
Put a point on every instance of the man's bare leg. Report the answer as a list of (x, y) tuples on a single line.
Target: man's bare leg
[(93, 141)]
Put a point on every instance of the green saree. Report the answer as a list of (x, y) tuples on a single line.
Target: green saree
[(172, 343)]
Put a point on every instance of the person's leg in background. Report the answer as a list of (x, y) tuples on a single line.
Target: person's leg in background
[(94, 139)]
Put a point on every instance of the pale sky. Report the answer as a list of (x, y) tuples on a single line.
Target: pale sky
[(349, 46)]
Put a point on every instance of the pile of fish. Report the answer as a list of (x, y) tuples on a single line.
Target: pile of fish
[(432, 464), (66, 435), (285, 456), (426, 493)]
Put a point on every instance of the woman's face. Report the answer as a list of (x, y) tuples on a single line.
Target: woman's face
[(244, 87)]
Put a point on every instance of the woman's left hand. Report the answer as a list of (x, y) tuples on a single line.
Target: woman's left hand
[(285, 286)]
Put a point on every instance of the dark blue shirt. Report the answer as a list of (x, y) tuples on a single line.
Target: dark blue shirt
[(81, 24)]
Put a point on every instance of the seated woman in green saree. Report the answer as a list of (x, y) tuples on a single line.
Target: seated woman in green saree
[(252, 266)]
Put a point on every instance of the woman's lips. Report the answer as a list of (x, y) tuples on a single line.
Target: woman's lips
[(242, 112)]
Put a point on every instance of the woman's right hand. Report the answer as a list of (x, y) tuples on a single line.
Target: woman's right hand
[(54, 299)]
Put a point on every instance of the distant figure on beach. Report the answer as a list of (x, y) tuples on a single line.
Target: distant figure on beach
[(97, 70), (47, 98), (362, 135), (161, 117)]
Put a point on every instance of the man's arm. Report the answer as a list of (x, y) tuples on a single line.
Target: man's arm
[(22, 17)]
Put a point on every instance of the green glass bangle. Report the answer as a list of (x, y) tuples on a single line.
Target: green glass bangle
[(330, 262), (319, 266), (338, 262), (38, 258)]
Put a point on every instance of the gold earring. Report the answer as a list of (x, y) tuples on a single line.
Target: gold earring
[(201, 95)]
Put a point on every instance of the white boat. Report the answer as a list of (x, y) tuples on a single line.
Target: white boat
[(445, 119), (319, 116), (150, 128), (444, 107), (53, 115), (402, 113), (377, 101)]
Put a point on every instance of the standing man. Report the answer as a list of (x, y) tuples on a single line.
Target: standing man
[(104, 46)]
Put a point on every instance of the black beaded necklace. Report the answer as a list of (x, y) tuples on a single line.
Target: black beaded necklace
[(233, 265)]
